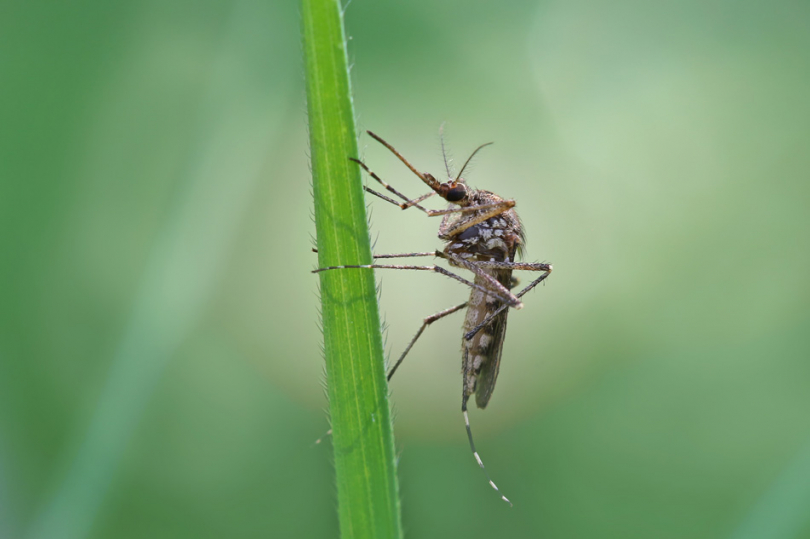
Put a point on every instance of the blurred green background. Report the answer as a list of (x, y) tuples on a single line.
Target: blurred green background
[(160, 369)]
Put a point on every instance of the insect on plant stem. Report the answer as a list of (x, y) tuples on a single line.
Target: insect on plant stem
[(482, 234)]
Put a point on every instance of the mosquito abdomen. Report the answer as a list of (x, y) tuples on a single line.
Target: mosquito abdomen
[(482, 353)]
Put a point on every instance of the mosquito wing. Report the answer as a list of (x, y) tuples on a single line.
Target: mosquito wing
[(481, 355)]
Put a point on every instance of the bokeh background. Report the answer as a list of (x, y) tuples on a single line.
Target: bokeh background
[(160, 369)]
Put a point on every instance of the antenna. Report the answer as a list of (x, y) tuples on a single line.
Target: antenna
[(470, 159), (444, 153)]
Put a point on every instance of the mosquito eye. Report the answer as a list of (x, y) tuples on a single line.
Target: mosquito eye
[(454, 194)]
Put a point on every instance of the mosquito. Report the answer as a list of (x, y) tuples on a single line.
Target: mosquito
[(484, 235)]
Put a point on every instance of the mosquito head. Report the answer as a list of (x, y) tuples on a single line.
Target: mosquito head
[(454, 191)]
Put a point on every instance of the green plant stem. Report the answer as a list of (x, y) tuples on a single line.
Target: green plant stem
[(362, 435)]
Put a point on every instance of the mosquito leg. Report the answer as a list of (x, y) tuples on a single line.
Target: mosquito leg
[(475, 453), (480, 264), (470, 334), (496, 207), (379, 266), (408, 202), (429, 180), (406, 255), (494, 288), (425, 323), (397, 255), (507, 298), (513, 265), (413, 202), (382, 196)]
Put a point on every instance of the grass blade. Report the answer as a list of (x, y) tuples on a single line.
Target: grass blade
[(368, 502)]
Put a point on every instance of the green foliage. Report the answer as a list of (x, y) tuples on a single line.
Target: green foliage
[(656, 387), (368, 504)]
